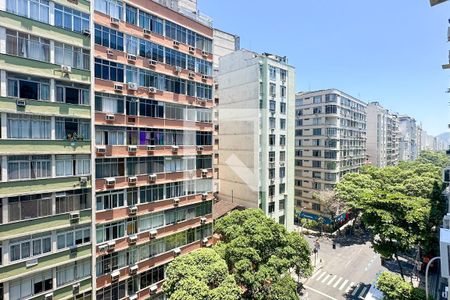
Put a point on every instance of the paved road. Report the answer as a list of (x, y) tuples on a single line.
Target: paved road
[(342, 273)]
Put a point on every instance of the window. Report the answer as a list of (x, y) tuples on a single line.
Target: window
[(272, 90), (175, 189), (175, 58), (317, 99), (109, 103), (69, 55), (272, 73), (28, 87), (109, 167), (204, 91), (316, 206), (108, 37), (203, 162), (150, 22), (72, 93), (73, 272), (283, 75), (316, 164), (330, 98), (204, 115), (272, 105), (131, 15), (29, 207), (151, 50), (112, 8), (109, 70), (71, 19), (282, 190), (110, 262), (272, 123), (283, 124), (74, 200), (317, 110), (28, 127), (282, 156), (112, 292), (203, 67), (70, 165), (151, 221), (203, 138), (28, 46), (316, 153), (330, 109), (22, 167), (132, 44), (283, 91), (271, 139), (282, 172), (105, 136), (152, 193), (35, 9), (110, 231), (271, 156), (271, 173), (283, 108), (30, 246), (174, 111), (29, 286), (73, 237), (202, 42), (282, 140), (72, 129), (271, 207), (152, 276), (317, 131)]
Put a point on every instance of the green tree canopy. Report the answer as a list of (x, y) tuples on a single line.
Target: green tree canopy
[(394, 288)]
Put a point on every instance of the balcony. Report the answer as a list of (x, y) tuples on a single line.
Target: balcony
[(31, 147)]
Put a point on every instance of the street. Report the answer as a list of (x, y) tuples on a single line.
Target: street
[(342, 273)]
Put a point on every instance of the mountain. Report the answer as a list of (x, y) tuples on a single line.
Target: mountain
[(445, 137)]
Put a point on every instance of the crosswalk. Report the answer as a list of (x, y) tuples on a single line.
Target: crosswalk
[(350, 288)]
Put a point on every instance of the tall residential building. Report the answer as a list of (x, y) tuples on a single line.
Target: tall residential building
[(330, 141), (382, 136), (408, 138), (257, 133), (45, 113), (153, 129)]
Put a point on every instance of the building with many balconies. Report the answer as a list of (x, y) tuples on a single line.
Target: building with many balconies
[(330, 141)]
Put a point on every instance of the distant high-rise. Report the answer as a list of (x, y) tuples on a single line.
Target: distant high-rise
[(256, 134), (382, 136), (330, 141), (408, 138)]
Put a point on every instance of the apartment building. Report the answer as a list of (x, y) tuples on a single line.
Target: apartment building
[(256, 135), (382, 136), (408, 150), (45, 150), (153, 139), (330, 141)]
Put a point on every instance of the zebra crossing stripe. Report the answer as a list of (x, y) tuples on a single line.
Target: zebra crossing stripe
[(315, 274), (321, 275), (337, 282), (355, 290), (349, 287), (325, 278), (343, 284), (332, 279), (364, 290)]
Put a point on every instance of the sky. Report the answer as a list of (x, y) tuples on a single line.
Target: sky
[(390, 51)]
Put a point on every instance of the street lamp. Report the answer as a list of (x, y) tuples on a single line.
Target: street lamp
[(426, 275)]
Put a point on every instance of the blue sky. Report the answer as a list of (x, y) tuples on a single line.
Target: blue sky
[(389, 51)]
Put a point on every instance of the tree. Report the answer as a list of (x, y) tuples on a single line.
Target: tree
[(259, 253), (394, 288), (439, 159), (202, 274), (331, 204)]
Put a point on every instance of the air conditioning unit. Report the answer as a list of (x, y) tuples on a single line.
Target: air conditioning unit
[(204, 53), (132, 86), (176, 201), (131, 57), (152, 177), (200, 99), (76, 288), (115, 275), (204, 172), (133, 297), (446, 221), (202, 220), (153, 233), (109, 52), (114, 21), (111, 245), (176, 44), (281, 164), (100, 149), (132, 239), (204, 196), (151, 148), (191, 75), (191, 49), (175, 149), (103, 247), (177, 251), (200, 148), (133, 269), (177, 69), (21, 103), (204, 77), (66, 69), (31, 262), (205, 241), (153, 289), (132, 179), (74, 216), (110, 181), (132, 210), (118, 87), (86, 32), (110, 117), (48, 296), (147, 32), (132, 148), (152, 90), (152, 62)]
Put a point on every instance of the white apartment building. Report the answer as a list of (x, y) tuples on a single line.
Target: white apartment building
[(408, 138), (330, 141), (382, 136), (256, 136)]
